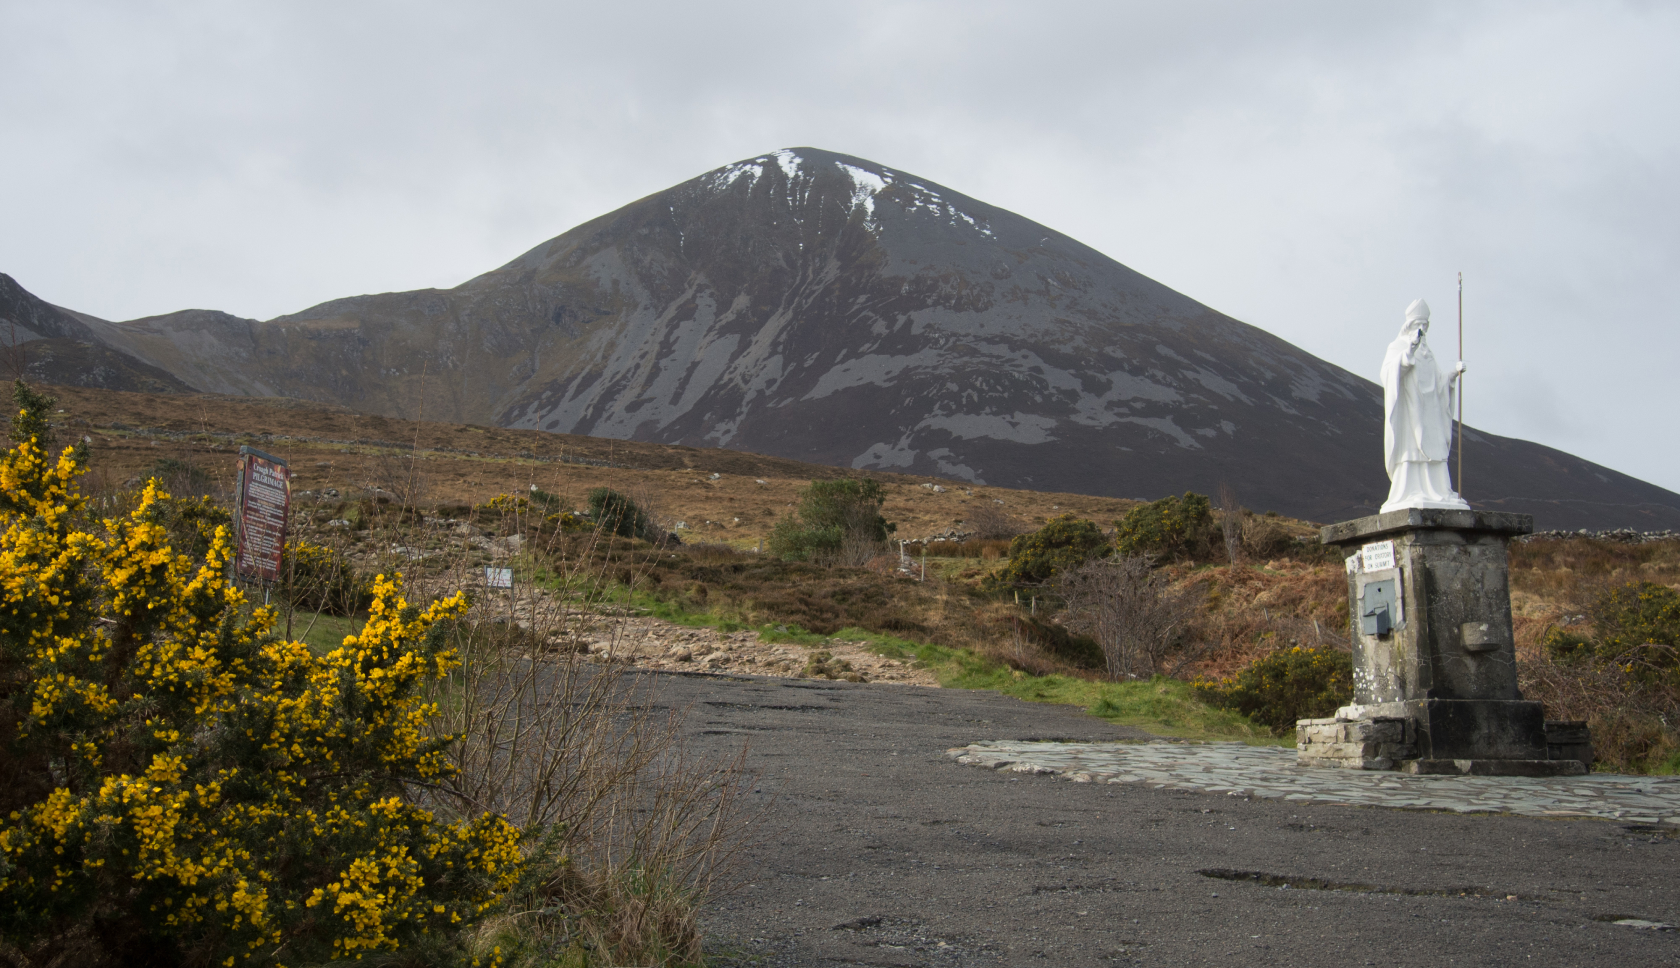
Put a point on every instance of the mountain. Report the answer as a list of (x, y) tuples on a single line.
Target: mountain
[(39, 341), (818, 306)]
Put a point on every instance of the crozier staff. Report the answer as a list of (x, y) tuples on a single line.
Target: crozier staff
[(1417, 419)]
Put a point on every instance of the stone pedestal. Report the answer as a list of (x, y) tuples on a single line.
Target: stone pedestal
[(1434, 662)]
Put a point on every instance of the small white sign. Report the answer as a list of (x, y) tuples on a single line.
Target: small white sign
[(1353, 564), (1377, 556), (498, 577)]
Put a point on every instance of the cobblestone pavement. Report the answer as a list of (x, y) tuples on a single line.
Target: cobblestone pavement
[(1256, 771)]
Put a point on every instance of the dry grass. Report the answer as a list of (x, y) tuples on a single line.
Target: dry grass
[(1635, 720), (1136, 614), (990, 549), (629, 834), (1574, 571), (330, 447), (1252, 610)]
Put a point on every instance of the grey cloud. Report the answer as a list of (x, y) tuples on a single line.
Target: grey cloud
[(1307, 167)]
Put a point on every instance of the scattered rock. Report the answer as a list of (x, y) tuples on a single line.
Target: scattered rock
[(1623, 535), (823, 665)]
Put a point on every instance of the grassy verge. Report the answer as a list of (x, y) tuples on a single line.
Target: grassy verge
[(325, 632), (1165, 707)]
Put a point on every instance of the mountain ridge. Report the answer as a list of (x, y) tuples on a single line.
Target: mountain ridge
[(822, 307)]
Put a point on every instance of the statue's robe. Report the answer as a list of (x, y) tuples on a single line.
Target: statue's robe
[(1417, 426)]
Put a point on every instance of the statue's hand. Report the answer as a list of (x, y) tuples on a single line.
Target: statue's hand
[(1460, 368)]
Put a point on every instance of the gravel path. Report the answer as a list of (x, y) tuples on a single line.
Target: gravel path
[(881, 849), (650, 643)]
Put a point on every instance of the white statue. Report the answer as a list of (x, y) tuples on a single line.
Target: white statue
[(1417, 419)]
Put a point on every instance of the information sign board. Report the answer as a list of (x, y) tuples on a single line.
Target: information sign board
[(1377, 556), (498, 577), (265, 495)]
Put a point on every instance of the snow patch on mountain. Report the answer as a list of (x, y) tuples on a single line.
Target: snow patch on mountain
[(865, 185), (926, 199), (725, 177), (789, 162), (983, 230)]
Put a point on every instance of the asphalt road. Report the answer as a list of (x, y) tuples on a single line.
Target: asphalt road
[(879, 850)]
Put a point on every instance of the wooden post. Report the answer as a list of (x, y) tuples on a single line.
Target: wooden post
[(291, 561), (1461, 385), (291, 599)]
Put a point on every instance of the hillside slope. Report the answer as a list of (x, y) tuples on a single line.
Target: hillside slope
[(42, 342)]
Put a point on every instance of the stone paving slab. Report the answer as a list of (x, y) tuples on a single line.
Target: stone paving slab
[(1237, 769)]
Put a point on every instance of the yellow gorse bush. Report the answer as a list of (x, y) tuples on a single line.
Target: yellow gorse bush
[(504, 504), (175, 781), (1287, 685)]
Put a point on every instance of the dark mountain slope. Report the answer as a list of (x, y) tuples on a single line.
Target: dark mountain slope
[(42, 342), (822, 307)]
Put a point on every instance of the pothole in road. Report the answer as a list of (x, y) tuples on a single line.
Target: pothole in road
[(1265, 879), (907, 936), (1633, 921)]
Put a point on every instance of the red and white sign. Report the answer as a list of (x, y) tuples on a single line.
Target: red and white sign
[(265, 495)]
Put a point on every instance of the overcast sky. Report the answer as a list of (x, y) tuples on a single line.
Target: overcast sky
[(1309, 168)]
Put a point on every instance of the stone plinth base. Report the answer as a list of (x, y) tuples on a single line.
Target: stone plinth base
[(1354, 744), (1495, 767), (1569, 739), (1465, 737), (1466, 729)]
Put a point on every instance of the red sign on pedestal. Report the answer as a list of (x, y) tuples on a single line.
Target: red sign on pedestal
[(265, 495)]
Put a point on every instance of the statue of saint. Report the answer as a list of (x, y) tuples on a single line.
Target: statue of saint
[(1417, 419)]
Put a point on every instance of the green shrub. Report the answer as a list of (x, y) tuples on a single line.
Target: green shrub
[(30, 419), (1565, 646), (1637, 630), (832, 515), (1075, 649), (321, 579), (1169, 529), (793, 540), (1064, 543), (1290, 684), (181, 476), (1633, 617), (616, 513), (1264, 538)]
